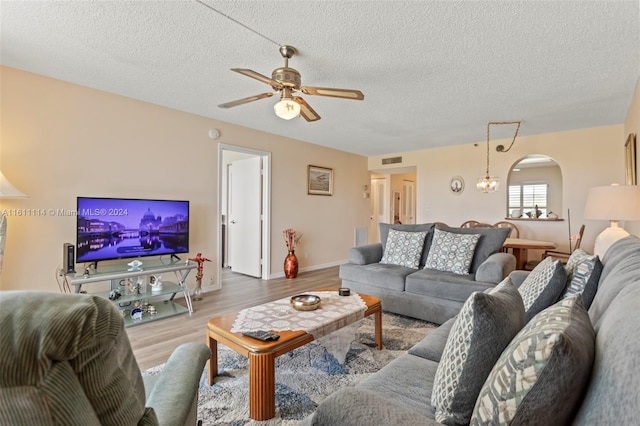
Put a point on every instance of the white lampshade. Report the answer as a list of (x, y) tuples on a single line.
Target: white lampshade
[(7, 190), (612, 203), (287, 109), (488, 184)]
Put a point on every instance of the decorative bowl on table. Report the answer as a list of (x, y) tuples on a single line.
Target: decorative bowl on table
[(305, 302)]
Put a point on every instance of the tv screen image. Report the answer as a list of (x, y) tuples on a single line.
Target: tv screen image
[(119, 228)]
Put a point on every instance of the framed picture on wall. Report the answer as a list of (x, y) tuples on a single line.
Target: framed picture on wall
[(319, 181), (631, 174)]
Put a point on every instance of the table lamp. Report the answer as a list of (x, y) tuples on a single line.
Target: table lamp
[(612, 203)]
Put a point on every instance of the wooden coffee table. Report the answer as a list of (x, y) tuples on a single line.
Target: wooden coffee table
[(262, 355)]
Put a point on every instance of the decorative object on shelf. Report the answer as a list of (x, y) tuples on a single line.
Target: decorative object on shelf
[(135, 265), (319, 180), (630, 160), (291, 261), (155, 281), (456, 185), (197, 293), (612, 203), (490, 183), (305, 302)]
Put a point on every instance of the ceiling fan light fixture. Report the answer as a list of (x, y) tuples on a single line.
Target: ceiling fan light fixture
[(287, 109)]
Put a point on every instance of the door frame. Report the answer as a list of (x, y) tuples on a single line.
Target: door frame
[(266, 206)]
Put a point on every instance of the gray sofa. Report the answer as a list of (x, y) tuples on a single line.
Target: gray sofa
[(401, 392), (427, 294)]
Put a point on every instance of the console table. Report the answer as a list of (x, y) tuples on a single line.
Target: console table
[(119, 272)]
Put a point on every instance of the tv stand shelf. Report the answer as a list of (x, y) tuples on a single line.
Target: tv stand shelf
[(126, 302)]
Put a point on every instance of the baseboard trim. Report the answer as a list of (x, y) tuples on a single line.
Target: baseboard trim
[(310, 268)]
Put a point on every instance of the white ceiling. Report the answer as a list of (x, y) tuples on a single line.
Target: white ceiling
[(433, 72)]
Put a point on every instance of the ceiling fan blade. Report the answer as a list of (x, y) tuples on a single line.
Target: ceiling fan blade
[(263, 78), (306, 111), (334, 93), (246, 100)]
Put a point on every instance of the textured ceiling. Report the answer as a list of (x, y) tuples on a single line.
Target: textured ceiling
[(433, 72)]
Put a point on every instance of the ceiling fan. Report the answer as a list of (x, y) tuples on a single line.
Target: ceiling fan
[(286, 81)]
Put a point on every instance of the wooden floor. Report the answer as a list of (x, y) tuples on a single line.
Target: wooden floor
[(153, 342)]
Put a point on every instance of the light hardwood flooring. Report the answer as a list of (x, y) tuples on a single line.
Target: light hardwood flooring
[(153, 342)]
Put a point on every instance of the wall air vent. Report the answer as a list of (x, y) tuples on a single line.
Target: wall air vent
[(392, 160)]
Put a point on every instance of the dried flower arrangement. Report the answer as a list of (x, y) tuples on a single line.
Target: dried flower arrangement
[(290, 239)]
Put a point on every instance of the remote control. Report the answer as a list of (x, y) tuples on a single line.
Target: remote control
[(265, 336)]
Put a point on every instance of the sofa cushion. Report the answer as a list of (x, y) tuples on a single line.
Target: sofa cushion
[(403, 248), (389, 277), (420, 227), (432, 346), (443, 285), (543, 286), (490, 242), (583, 273), (484, 327), (451, 252), (541, 375)]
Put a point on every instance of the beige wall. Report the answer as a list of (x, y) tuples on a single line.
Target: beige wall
[(60, 140), (587, 157), (632, 125)]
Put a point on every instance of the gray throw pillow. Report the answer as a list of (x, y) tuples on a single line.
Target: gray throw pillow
[(451, 252), (543, 286), (541, 375), (418, 227), (583, 274), (403, 248), (491, 242), (484, 327)]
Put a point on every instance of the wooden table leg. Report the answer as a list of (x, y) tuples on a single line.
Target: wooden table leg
[(262, 385), (521, 257), (212, 371), (378, 326)]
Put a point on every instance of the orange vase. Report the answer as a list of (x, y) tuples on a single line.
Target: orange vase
[(291, 265)]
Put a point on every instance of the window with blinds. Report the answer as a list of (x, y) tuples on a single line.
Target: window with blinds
[(526, 196)]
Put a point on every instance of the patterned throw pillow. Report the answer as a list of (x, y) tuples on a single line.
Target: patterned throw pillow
[(484, 327), (583, 273), (543, 286), (540, 376), (451, 252), (403, 248)]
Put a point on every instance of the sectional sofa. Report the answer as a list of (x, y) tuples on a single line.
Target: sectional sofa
[(434, 295), (567, 365)]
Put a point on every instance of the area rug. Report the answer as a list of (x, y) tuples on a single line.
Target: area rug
[(305, 376)]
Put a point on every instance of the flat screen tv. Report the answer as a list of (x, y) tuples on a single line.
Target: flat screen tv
[(120, 228)]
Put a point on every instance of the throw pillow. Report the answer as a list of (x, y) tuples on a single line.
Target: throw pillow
[(451, 252), (403, 248), (484, 327), (543, 286), (491, 241), (541, 375), (583, 274)]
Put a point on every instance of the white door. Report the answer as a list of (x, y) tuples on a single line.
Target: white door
[(408, 202), (244, 223), (379, 207)]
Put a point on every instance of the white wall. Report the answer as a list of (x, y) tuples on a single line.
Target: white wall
[(587, 157), (632, 125)]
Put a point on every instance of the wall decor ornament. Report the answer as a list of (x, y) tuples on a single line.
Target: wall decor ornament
[(319, 180), (456, 185), (631, 173)]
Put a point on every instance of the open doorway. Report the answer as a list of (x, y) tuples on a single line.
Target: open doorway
[(393, 199), (244, 197)]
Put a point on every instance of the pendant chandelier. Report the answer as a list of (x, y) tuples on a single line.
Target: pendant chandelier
[(490, 183)]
